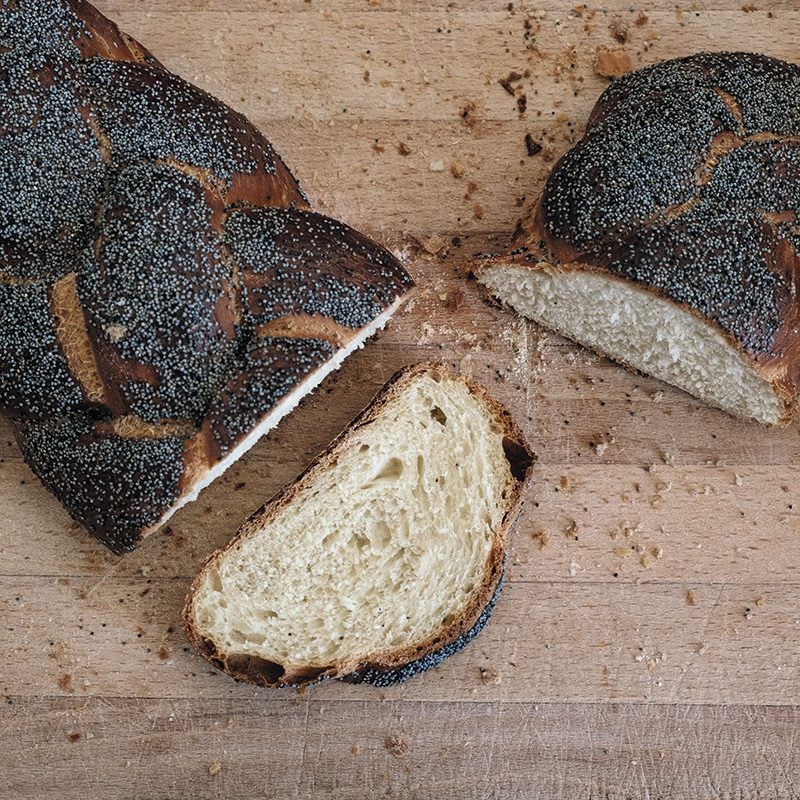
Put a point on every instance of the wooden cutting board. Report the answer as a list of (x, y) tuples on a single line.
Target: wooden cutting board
[(646, 645)]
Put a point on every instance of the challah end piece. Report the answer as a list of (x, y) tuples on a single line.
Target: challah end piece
[(668, 238)]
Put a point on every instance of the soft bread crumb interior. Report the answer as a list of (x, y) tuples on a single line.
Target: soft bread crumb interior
[(634, 326), (382, 549)]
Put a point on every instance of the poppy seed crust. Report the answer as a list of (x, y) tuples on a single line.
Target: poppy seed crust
[(149, 235), (687, 181)]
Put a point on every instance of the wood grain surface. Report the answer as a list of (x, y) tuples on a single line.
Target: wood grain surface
[(647, 644)]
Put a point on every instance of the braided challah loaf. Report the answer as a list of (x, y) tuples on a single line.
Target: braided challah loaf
[(669, 237), (166, 296)]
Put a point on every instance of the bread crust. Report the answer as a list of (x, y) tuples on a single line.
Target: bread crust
[(713, 229), (393, 665), (161, 268)]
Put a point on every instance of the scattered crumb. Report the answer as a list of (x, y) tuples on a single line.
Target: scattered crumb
[(64, 682), (215, 768), (355, 749), (542, 537), (619, 29), (611, 63), (453, 299), (522, 103), (434, 244), (467, 114), (622, 552), (574, 566), (600, 448), (646, 561), (437, 166), (163, 653), (564, 482), (396, 745), (658, 552), (457, 169), (641, 20), (477, 211), (690, 601), (377, 148), (737, 479), (507, 83), (532, 146), (403, 149), (572, 529), (748, 614), (73, 737), (761, 602), (490, 677)]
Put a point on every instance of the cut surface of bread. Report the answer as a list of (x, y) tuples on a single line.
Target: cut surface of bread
[(635, 327), (166, 293), (384, 557), (667, 237)]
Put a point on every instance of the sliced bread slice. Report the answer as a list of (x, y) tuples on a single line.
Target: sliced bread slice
[(384, 557)]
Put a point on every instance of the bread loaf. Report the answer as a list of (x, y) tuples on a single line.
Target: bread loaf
[(668, 238), (384, 558), (166, 295)]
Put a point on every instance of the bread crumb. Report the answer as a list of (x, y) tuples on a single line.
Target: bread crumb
[(572, 529), (64, 682), (612, 63), (434, 244), (622, 552), (490, 677), (437, 166), (477, 211), (507, 83), (619, 29), (457, 169), (73, 737), (542, 537), (690, 601), (737, 479), (355, 749), (467, 114), (574, 566), (453, 299), (564, 482), (532, 146), (403, 149), (761, 602), (396, 745), (215, 768)]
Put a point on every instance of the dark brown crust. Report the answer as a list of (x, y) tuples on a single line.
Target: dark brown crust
[(258, 671)]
